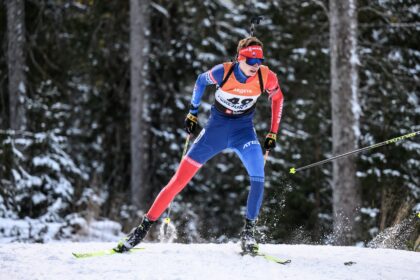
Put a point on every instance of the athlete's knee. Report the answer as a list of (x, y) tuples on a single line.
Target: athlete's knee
[(259, 180), (182, 176), (258, 177), (173, 187), (254, 162)]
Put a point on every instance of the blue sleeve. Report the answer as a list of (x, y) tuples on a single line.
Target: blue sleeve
[(211, 77)]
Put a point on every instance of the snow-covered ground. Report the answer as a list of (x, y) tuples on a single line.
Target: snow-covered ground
[(204, 261)]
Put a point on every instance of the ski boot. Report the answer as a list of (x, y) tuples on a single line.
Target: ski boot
[(134, 237), (248, 243)]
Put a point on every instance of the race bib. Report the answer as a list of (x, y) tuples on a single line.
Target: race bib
[(235, 102)]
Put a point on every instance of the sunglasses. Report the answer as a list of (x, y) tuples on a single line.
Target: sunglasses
[(253, 61)]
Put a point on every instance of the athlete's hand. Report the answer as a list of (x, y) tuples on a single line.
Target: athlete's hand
[(190, 123), (270, 141)]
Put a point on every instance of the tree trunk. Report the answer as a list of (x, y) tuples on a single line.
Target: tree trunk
[(345, 117), (385, 207), (139, 49), (16, 63)]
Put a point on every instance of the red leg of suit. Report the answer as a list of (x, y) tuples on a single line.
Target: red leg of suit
[(183, 175)]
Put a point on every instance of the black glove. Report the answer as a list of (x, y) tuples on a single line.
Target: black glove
[(190, 123), (270, 141)]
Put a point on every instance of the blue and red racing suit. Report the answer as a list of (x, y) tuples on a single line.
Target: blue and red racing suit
[(229, 127)]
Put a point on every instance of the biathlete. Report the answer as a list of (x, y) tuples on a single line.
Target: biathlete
[(239, 84)]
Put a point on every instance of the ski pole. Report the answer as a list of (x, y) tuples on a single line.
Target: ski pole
[(185, 146), (293, 170), (266, 156), (187, 141)]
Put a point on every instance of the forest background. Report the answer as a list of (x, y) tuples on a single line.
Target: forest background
[(65, 152)]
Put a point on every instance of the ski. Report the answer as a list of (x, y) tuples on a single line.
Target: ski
[(101, 253), (268, 257), (109, 252), (274, 258)]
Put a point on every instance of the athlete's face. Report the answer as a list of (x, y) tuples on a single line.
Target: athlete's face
[(249, 70)]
